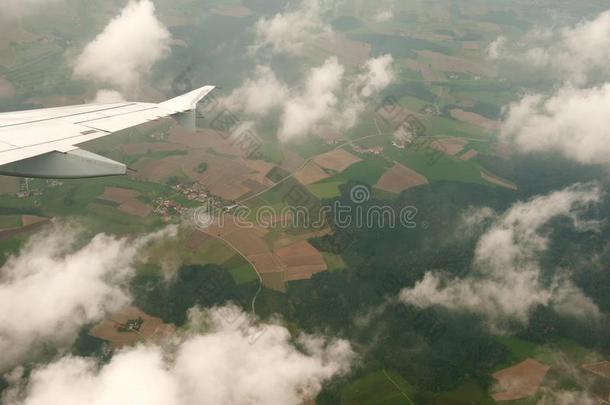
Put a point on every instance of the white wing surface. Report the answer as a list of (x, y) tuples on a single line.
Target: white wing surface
[(43, 143)]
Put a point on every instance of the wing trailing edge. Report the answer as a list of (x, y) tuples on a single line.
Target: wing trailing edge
[(74, 164), (41, 143)]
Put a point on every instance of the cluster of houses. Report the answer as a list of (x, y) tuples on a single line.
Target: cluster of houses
[(167, 208), (193, 192), (25, 191), (375, 150)]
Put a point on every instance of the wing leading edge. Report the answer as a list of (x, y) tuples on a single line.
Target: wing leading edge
[(41, 143)]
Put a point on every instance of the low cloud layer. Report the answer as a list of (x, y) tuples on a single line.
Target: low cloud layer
[(504, 284), (289, 32), (377, 74), (127, 48), (54, 287), (572, 122), (317, 100), (260, 94), (573, 53), (384, 15), (331, 100), (108, 96), (328, 98), (562, 397), (216, 362)]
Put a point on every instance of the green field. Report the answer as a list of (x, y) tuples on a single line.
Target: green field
[(333, 261), (436, 166), (241, 271), (383, 387), (327, 189), (522, 349), (467, 394), (213, 251), (10, 246), (368, 171), (10, 221)]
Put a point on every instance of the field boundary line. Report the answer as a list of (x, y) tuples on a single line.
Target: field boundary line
[(397, 387)]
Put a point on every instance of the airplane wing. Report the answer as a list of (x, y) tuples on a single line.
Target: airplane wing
[(42, 143)]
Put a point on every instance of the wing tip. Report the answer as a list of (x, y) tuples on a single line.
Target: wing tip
[(188, 101)]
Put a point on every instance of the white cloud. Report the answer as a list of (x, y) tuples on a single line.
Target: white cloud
[(572, 52), (572, 122), (316, 103), (378, 74), (474, 219), (327, 98), (127, 48), (504, 283), (217, 362), (561, 397), (53, 288), (11, 9), (260, 95), (496, 50), (384, 15), (108, 97), (290, 31)]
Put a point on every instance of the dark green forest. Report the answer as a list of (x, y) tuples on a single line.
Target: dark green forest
[(432, 348)]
